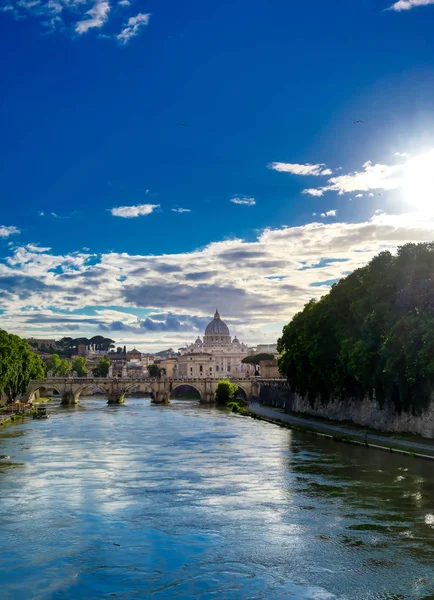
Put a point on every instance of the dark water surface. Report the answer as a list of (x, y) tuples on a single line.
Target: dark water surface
[(141, 501)]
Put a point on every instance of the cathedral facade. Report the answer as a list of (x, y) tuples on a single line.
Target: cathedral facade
[(217, 355)]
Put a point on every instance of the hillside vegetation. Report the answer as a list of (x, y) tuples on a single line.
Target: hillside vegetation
[(372, 334)]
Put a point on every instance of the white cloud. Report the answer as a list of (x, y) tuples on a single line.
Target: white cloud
[(359, 195), (181, 210), (7, 231), (329, 213), (313, 192), (36, 248), (244, 201), (133, 211), (408, 4), (313, 214), (371, 195), (39, 290), (373, 177), (297, 169), (96, 17), (132, 28), (41, 213), (402, 154), (73, 17)]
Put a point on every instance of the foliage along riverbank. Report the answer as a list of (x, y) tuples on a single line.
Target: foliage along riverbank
[(371, 336), (18, 365)]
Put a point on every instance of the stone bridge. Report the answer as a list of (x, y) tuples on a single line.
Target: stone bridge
[(115, 389)]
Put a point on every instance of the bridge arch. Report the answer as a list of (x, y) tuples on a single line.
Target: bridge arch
[(174, 386), (42, 388), (79, 391), (242, 392)]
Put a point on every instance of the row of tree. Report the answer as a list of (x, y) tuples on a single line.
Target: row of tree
[(18, 365), (60, 367), (372, 334)]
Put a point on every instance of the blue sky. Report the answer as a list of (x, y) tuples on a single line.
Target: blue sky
[(116, 218)]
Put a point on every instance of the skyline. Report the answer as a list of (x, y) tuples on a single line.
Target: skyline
[(241, 156)]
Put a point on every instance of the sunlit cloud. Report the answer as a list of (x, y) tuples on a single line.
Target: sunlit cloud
[(181, 210), (298, 169), (41, 292)]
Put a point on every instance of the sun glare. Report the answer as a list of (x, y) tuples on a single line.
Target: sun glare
[(419, 182)]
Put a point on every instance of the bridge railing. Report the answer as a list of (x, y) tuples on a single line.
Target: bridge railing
[(90, 380)]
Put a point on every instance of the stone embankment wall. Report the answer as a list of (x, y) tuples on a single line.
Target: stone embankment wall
[(364, 412)]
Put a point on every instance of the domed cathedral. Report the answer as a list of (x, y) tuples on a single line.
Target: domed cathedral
[(227, 354)]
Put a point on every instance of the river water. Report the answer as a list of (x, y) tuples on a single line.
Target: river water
[(185, 501)]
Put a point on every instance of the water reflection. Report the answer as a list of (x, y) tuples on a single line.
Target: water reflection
[(191, 502)]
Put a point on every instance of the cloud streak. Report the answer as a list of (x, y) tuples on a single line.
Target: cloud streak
[(78, 17), (298, 169), (133, 27), (95, 17), (130, 212), (244, 201), (403, 5)]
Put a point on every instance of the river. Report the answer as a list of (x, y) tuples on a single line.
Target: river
[(185, 501)]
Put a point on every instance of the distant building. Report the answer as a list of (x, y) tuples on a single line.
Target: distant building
[(134, 355), (168, 364), (269, 369), (266, 349), (82, 350), (196, 364), (227, 353)]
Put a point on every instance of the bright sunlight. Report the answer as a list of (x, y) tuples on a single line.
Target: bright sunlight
[(419, 181)]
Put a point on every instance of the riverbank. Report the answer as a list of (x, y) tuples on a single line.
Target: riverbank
[(343, 433)]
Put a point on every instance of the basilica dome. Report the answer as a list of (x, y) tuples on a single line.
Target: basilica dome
[(217, 326)]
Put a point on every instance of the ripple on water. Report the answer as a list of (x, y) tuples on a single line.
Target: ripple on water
[(190, 502)]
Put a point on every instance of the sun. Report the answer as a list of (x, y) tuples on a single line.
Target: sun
[(418, 186)]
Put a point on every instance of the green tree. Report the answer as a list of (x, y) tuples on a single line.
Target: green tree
[(36, 367), (225, 392), (53, 364), (79, 366), (372, 334), (255, 359), (64, 367), (119, 350), (102, 369), (154, 371)]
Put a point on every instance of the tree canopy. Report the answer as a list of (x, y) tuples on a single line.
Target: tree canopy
[(18, 365), (102, 369), (79, 366), (373, 333), (255, 359), (225, 392), (154, 371)]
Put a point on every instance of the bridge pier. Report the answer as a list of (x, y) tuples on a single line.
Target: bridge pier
[(68, 398), (115, 398), (161, 398)]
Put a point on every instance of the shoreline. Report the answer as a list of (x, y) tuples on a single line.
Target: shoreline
[(342, 434)]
